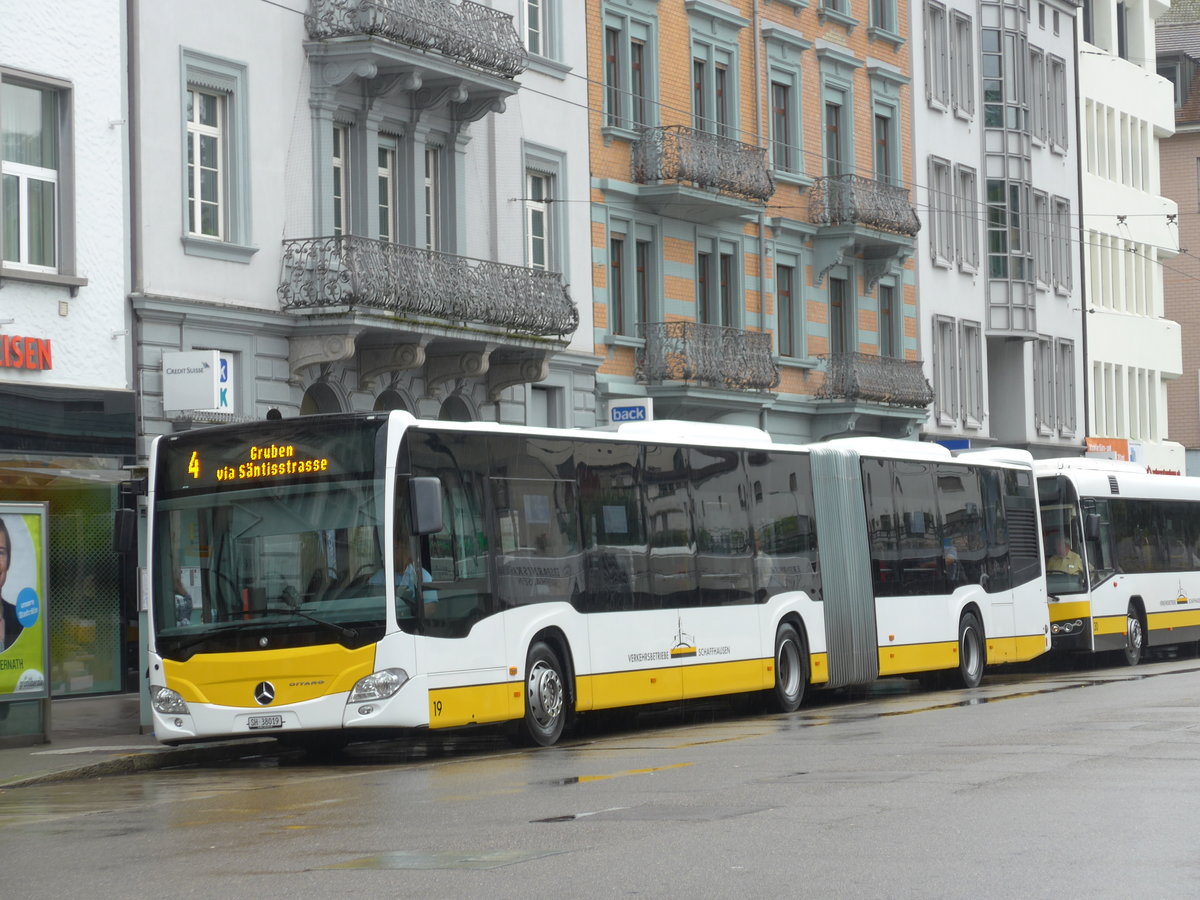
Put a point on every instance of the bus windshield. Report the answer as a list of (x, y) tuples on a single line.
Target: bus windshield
[(268, 540)]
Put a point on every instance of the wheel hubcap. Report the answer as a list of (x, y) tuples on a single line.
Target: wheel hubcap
[(787, 665), (970, 651), (1133, 633), (545, 694)]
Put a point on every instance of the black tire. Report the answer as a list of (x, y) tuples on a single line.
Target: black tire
[(545, 697), (1135, 637), (791, 669), (972, 652)]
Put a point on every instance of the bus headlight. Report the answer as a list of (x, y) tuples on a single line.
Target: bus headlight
[(166, 701), (378, 685)]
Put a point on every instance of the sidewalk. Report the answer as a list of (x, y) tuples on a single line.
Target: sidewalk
[(92, 736)]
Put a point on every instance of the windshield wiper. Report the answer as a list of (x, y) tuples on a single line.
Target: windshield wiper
[(237, 625), (348, 633)]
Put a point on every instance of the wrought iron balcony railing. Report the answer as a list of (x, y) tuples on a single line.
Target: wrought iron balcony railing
[(459, 29), (356, 271), (854, 200), (874, 379), (706, 355), (676, 153)]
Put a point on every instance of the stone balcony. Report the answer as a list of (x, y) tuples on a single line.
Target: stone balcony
[(854, 200), (468, 33), (699, 176), (865, 378), (710, 356), (349, 272)]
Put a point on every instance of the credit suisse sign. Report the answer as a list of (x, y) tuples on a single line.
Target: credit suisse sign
[(18, 352)]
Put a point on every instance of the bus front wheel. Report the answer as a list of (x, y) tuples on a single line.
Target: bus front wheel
[(545, 697), (1135, 636), (970, 650), (791, 662)]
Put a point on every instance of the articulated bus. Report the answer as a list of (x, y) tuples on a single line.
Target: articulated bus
[(564, 572), (1133, 580)]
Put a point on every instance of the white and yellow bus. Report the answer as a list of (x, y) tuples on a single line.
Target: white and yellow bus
[(1133, 581), (559, 572)]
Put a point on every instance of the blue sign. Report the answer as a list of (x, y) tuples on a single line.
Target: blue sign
[(619, 414)]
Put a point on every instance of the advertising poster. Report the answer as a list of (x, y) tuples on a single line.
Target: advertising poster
[(24, 636)]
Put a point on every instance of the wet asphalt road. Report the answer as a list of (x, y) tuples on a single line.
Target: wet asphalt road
[(1081, 782)]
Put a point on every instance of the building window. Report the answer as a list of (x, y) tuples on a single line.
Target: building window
[(937, 74), (711, 87), (883, 15), (1056, 103), (1043, 385), (204, 166), (1170, 71), (341, 180), (1042, 250), (835, 152), (385, 174), (1037, 93), (34, 155), (717, 285), (541, 28), (627, 78), (941, 212), (843, 336), (885, 166), (1065, 382), (1060, 239), (888, 345), (971, 366), (616, 285), (785, 300), (537, 220), (1122, 17), (966, 215), (216, 189), (782, 139), (962, 65), (433, 197), (632, 277), (945, 370)]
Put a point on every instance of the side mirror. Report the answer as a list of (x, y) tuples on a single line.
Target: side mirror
[(1091, 526), (425, 501), (125, 530)]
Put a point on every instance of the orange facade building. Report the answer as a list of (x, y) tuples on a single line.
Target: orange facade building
[(752, 220)]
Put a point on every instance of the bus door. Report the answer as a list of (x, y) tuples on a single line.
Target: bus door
[(460, 646)]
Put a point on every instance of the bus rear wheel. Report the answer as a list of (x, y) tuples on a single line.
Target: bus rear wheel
[(1135, 636), (791, 669), (970, 650), (545, 697)]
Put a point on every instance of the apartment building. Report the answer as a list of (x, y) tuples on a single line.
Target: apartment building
[(66, 409), (1130, 235), (752, 225), (996, 150), (1177, 34), (361, 207)]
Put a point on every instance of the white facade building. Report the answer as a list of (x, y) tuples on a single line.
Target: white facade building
[(364, 215), (998, 272), (66, 409), (1128, 231)]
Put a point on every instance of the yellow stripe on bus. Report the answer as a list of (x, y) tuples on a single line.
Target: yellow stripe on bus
[(296, 673), (476, 704), (1175, 619), (1076, 609), (1108, 624)]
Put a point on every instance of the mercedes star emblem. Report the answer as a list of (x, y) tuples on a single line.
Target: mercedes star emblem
[(264, 693)]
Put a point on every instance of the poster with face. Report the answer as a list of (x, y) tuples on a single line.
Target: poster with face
[(23, 631)]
